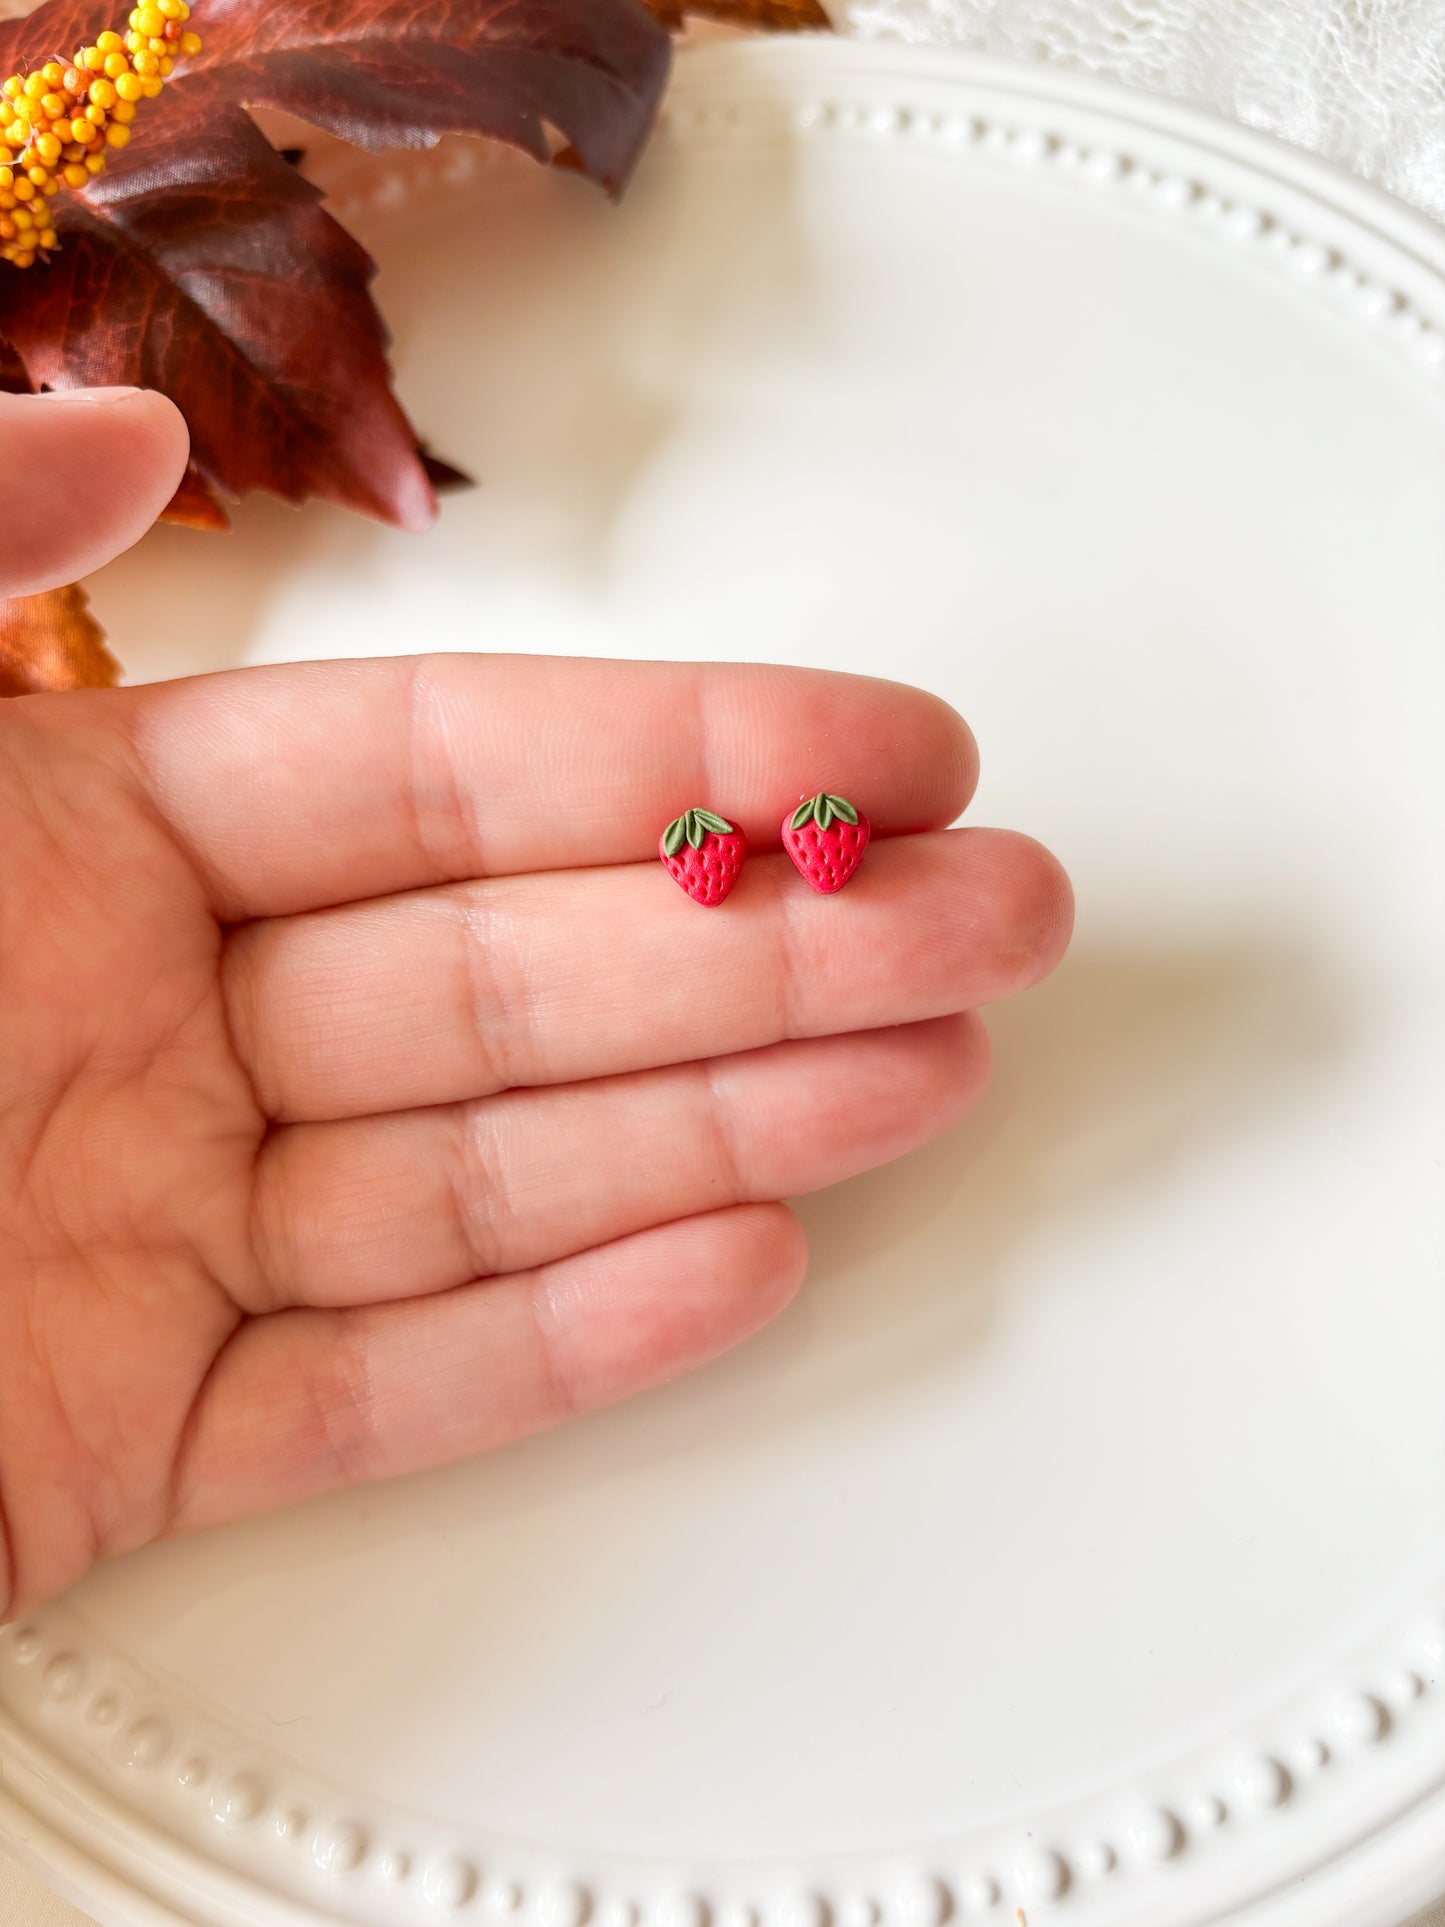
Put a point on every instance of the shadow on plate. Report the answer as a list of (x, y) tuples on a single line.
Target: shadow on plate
[(1124, 1067)]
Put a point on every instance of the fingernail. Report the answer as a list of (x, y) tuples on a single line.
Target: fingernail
[(96, 397)]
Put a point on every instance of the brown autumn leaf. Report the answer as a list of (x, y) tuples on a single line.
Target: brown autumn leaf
[(399, 73), (13, 378), (189, 266), (769, 16), (52, 641), (203, 264), (445, 477), (195, 505), (225, 284)]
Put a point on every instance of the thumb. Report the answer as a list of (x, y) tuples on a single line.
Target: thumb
[(87, 471)]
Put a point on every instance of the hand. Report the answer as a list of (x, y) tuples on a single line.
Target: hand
[(370, 1095)]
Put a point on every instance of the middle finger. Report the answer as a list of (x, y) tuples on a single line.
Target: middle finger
[(445, 994)]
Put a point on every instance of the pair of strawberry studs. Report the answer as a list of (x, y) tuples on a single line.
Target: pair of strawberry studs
[(825, 836)]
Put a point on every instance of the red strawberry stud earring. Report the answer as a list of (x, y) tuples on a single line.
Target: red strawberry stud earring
[(704, 854), (826, 838)]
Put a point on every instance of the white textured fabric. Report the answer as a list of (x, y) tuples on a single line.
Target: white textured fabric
[(1361, 82)]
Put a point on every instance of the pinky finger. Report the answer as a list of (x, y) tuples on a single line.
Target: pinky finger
[(302, 1401)]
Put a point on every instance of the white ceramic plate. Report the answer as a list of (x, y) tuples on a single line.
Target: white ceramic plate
[(1076, 1543)]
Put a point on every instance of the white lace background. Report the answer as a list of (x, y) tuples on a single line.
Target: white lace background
[(1361, 82)]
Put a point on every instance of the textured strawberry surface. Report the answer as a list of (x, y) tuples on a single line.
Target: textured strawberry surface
[(709, 873), (827, 858)]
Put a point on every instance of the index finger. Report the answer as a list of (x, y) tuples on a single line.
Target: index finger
[(323, 783)]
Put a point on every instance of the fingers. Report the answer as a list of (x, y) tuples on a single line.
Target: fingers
[(91, 469), (458, 993), (306, 1400), (328, 782), (390, 1207)]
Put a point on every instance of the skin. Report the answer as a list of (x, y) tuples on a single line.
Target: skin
[(369, 1094)]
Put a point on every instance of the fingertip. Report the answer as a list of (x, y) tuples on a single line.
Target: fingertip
[(1046, 909), (896, 750), (747, 1265), (1001, 910), (138, 443), (900, 752), (814, 1111), (722, 1276), (652, 1306), (975, 1046), (956, 1077), (159, 429), (950, 1062), (99, 464), (773, 1259), (951, 750), (933, 755)]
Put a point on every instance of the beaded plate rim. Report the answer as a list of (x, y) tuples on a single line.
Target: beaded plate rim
[(80, 1726)]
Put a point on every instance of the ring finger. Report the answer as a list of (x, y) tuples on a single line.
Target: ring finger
[(392, 1207)]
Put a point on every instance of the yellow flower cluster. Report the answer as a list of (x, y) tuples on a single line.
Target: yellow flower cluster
[(56, 123)]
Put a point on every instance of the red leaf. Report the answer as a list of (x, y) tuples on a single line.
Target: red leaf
[(397, 73), (445, 477), (194, 505), (52, 32), (203, 265), (778, 16), (13, 378)]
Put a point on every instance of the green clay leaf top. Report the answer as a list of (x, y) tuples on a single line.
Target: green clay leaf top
[(694, 827), (822, 809)]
